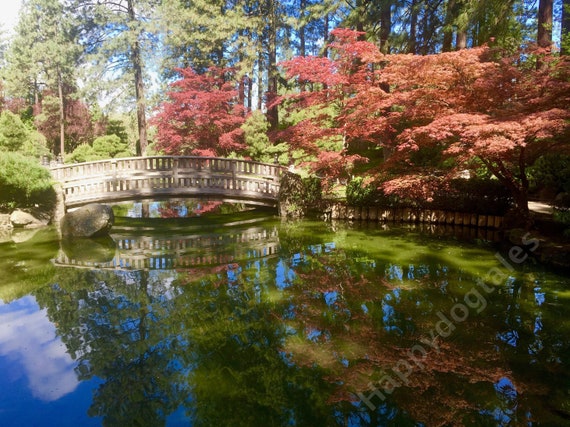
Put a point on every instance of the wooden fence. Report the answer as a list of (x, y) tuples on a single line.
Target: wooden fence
[(341, 211)]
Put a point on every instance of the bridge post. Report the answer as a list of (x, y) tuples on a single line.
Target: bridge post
[(175, 182), (114, 173), (234, 169)]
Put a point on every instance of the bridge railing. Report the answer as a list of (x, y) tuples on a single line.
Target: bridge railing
[(139, 177)]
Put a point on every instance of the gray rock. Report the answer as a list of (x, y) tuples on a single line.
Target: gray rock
[(21, 219), (88, 221)]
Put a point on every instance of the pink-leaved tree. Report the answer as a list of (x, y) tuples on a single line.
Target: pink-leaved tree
[(202, 115)]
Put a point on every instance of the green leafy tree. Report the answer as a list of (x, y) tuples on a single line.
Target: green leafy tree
[(110, 146), (43, 57)]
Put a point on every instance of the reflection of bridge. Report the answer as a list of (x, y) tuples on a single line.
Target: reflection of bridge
[(136, 178), (157, 253)]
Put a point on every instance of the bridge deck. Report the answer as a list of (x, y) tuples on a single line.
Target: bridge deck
[(136, 178)]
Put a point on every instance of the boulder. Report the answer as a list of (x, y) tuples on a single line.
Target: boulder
[(21, 219), (88, 221)]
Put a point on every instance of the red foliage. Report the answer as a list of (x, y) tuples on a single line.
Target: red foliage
[(468, 108), (78, 123), (202, 115)]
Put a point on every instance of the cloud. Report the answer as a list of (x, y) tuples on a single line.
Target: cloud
[(28, 338)]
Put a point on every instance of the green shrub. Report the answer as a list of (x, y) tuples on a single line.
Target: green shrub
[(551, 171), (104, 147), (313, 191), (358, 194), (24, 183), (83, 153), (109, 146), (13, 132)]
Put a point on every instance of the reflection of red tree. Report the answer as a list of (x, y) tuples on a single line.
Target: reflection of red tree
[(191, 275), (169, 211), (206, 207), (356, 349)]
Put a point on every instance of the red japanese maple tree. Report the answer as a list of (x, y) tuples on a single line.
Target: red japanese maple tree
[(202, 115), (436, 115)]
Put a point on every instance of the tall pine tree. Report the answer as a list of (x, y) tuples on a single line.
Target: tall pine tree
[(42, 57), (120, 37)]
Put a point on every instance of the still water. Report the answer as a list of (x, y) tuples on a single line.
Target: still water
[(281, 324)]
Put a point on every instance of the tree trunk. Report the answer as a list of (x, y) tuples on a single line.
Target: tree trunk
[(249, 93), (302, 39), (544, 35), (448, 28), (385, 26), (360, 14), (326, 24), (302, 42), (272, 111), (412, 46), (424, 50), (61, 114), (136, 59), (461, 42), (260, 80), (241, 92)]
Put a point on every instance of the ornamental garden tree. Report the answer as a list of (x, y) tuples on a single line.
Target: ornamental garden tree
[(436, 115), (201, 116)]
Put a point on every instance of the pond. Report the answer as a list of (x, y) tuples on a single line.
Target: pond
[(282, 324)]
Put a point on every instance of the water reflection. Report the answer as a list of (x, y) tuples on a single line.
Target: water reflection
[(29, 343), (175, 251), (288, 324)]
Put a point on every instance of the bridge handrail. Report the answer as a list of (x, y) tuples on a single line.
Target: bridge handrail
[(95, 168)]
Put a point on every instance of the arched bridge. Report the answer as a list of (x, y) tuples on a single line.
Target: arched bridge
[(136, 178)]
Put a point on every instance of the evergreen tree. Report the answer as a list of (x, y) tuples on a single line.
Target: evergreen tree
[(42, 57), (119, 38)]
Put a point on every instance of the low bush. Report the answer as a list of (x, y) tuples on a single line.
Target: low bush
[(480, 196), (24, 184)]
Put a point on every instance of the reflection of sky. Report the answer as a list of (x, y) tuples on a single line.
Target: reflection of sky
[(28, 340)]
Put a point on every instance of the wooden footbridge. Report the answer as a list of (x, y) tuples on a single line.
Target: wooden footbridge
[(160, 177)]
